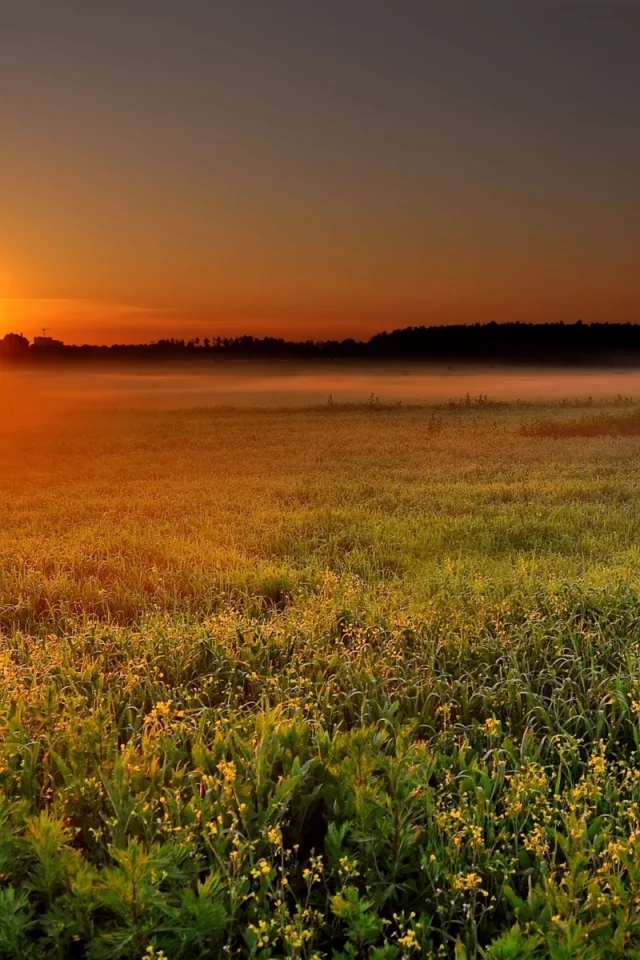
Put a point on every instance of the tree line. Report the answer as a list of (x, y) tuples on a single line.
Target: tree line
[(577, 343)]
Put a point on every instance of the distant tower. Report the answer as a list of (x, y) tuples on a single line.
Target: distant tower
[(46, 341)]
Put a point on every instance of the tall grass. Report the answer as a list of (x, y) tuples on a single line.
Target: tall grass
[(323, 683), (594, 425)]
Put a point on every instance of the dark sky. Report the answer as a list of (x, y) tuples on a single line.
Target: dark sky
[(316, 168)]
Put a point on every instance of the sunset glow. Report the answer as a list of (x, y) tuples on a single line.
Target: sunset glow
[(272, 170), (319, 457)]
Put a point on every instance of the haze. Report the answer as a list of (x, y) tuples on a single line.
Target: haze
[(51, 397)]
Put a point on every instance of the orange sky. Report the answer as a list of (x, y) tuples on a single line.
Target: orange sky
[(171, 170)]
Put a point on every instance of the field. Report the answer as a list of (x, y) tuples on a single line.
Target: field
[(351, 681)]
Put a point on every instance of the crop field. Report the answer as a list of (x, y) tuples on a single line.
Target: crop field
[(349, 681)]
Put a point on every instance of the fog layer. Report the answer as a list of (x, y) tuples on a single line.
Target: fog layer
[(45, 394)]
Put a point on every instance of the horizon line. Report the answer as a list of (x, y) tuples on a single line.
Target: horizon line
[(199, 342)]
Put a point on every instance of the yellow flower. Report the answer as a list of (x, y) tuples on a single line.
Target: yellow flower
[(467, 881), (228, 770), (274, 836), (491, 726), (409, 940)]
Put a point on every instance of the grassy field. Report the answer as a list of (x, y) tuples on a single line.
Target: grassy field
[(352, 681)]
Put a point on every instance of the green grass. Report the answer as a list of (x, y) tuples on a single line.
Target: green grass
[(357, 682)]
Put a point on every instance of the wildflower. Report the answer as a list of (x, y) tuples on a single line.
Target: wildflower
[(491, 726), (444, 710), (348, 868), (409, 941), (228, 770), (536, 842), (468, 882), (261, 932), (274, 836), (475, 835), (597, 762)]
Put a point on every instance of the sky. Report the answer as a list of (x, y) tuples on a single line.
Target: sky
[(316, 169)]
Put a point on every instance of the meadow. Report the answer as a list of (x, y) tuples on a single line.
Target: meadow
[(350, 680)]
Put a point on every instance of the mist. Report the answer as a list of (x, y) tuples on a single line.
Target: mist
[(53, 394)]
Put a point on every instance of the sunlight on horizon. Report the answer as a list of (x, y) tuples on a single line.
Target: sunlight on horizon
[(4, 316)]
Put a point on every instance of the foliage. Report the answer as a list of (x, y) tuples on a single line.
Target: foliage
[(319, 684)]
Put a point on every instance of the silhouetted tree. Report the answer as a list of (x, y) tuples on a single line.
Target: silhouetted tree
[(575, 343), (14, 346)]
